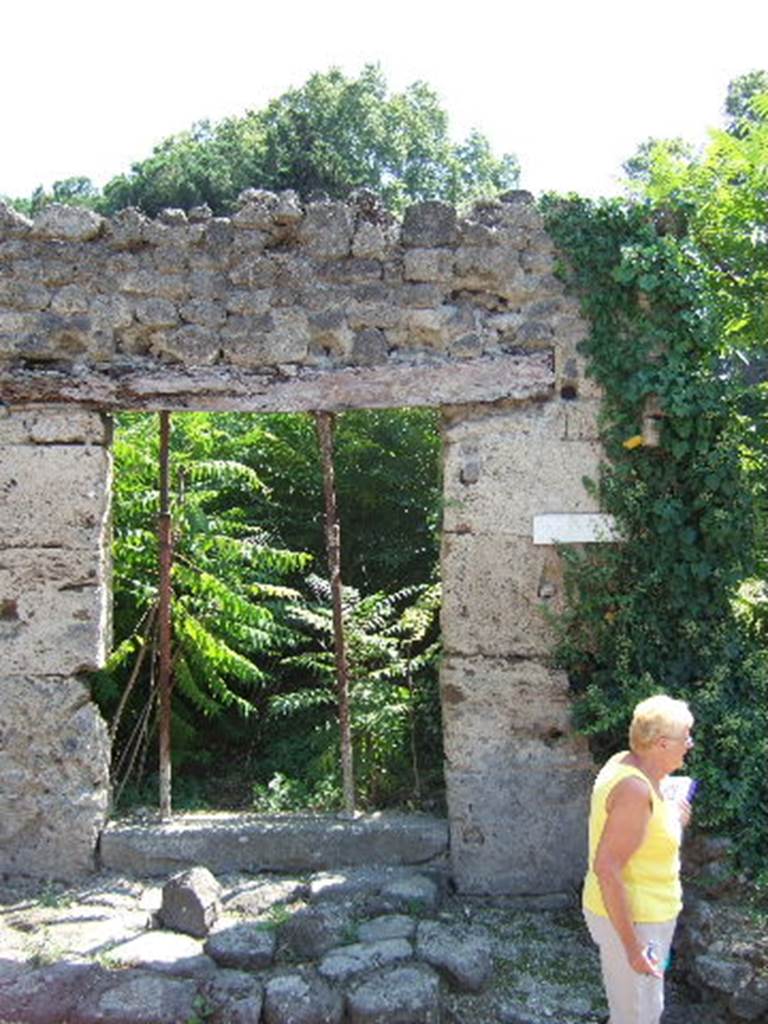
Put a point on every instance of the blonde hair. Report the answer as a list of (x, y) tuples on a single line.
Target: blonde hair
[(655, 717)]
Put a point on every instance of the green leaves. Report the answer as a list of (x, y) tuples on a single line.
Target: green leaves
[(392, 648), (657, 612)]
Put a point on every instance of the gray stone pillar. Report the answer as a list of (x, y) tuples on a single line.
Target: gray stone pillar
[(54, 626), (517, 776)]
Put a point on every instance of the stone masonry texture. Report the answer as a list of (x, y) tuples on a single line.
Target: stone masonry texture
[(289, 306)]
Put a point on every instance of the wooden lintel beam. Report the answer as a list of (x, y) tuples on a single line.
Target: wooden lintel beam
[(225, 388)]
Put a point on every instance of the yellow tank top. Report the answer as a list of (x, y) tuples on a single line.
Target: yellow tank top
[(652, 873)]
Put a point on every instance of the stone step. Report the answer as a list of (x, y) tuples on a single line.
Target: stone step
[(226, 842)]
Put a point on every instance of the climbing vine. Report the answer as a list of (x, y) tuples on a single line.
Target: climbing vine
[(660, 610)]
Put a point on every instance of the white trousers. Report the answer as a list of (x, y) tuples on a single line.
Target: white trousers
[(633, 998)]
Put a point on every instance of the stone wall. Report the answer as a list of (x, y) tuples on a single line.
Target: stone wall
[(328, 305), (517, 776), (54, 618)]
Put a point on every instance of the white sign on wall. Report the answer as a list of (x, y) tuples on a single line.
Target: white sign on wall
[(574, 528)]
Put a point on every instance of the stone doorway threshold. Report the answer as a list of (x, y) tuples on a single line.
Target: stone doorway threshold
[(229, 841)]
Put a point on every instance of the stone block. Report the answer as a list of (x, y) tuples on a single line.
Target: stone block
[(67, 223), (267, 210), (51, 336), (496, 269), (503, 714), (12, 223), (430, 265), (441, 328), (25, 296), (55, 770), (422, 295), (125, 230), (301, 999), (290, 336), (372, 314), (342, 964), (249, 301), (72, 298), (13, 322), (52, 425), (191, 902), (326, 230), (234, 842), (205, 282), (369, 348), (204, 312), (157, 313), (53, 494), (370, 241), (462, 955), (153, 284), (429, 223), (110, 312), (523, 830), (409, 993), (330, 333), (173, 256), (138, 996), (54, 610), (190, 344), (241, 945), (523, 468), (494, 599), (286, 340), (247, 243)]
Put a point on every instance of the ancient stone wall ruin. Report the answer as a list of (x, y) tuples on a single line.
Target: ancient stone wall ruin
[(287, 307)]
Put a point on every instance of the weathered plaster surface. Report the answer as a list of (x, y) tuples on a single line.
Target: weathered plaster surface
[(54, 624)]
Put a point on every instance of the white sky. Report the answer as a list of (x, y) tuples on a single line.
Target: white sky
[(570, 86)]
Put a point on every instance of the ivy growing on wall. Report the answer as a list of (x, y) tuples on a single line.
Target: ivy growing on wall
[(660, 610)]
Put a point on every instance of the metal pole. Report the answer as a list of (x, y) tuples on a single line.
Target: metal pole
[(324, 422), (165, 540)]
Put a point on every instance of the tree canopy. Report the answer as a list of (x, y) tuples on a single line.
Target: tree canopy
[(718, 200), (331, 135)]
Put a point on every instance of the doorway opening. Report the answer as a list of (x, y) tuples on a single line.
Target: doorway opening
[(254, 715)]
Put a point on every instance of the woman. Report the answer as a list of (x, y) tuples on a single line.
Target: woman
[(632, 893)]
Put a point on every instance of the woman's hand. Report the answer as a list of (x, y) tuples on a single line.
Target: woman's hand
[(644, 962)]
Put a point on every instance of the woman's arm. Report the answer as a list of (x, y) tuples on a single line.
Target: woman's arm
[(629, 811)]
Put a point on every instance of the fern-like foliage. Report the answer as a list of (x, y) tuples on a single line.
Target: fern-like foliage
[(392, 650), (232, 588)]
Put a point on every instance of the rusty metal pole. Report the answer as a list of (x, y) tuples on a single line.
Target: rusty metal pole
[(324, 422), (165, 541)]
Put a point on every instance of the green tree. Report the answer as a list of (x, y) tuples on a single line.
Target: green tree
[(331, 135), (76, 191), (388, 480), (739, 110), (639, 167), (718, 202)]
